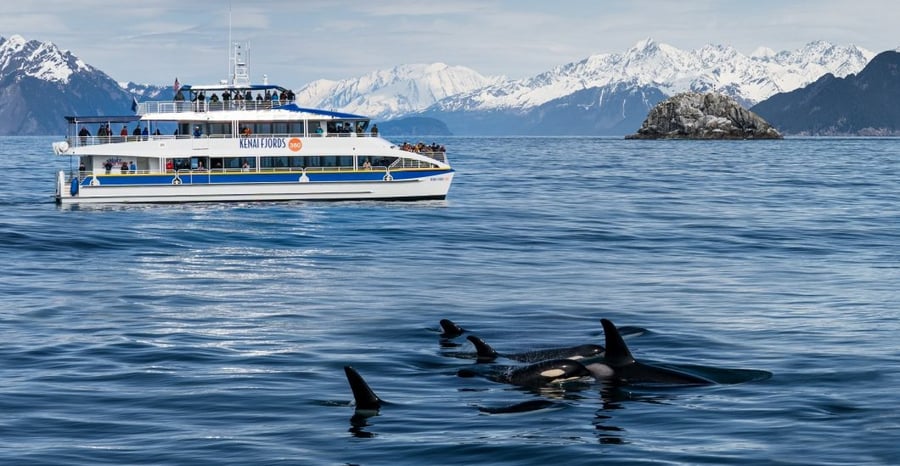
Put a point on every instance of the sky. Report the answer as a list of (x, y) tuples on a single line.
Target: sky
[(294, 42)]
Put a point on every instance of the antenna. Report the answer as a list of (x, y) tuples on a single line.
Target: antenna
[(238, 58), (228, 46)]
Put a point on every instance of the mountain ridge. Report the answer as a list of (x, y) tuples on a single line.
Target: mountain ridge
[(603, 94), (857, 104), (41, 84)]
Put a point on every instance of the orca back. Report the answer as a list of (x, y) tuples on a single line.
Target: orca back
[(627, 370)]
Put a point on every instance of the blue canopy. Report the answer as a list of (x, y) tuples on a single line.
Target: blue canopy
[(319, 111)]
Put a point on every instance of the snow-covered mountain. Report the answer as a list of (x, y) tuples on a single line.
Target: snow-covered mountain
[(40, 84), (395, 92), (749, 79), (41, 60), (603, 94)]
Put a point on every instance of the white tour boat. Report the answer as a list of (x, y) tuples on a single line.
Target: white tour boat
[(240, 142)]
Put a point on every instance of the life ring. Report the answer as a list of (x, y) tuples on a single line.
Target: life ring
[(95, 181), (388, 177), (176, 181)]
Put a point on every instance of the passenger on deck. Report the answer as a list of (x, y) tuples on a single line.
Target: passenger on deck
[(246, 132), (108, 166), (200, 102), (132, 167), (145, 132), (367, 165), (374, 131), (124, 167), (136, 131), (197, 132), (84, 133), (124, 132), (200, 166), (170, 165)]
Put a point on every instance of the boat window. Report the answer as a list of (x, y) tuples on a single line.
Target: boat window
[(280, 128), (317, 128), (296, 128), (199, 163), (181, 163), (383, 161), (237, 163), (273, 162), (219, 128), (298, 162), (263, 128)]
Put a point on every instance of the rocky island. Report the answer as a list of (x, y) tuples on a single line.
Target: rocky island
[(692, 115)]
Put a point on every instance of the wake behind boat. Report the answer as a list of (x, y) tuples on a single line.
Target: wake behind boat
[(241, 142)]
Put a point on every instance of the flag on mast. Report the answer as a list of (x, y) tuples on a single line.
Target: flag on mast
[(177, 85)]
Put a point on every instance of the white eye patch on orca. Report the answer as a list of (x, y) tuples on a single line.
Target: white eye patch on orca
[(553, 373)]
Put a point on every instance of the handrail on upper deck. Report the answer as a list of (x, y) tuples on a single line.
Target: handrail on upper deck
[(181, 106)]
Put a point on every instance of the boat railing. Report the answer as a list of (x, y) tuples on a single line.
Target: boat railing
[(182, 106), (98, 140)]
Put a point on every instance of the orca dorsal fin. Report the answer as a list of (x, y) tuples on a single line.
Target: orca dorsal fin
[(484, 350), (449, 329), (365, 398), (617, 352)]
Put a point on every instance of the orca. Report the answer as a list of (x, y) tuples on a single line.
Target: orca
[(522, 407), (486, 353), (540, 374), (449, 329), (619, 366), (367, 402)]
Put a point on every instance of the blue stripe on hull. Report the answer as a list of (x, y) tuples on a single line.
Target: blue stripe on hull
[(244, 178)]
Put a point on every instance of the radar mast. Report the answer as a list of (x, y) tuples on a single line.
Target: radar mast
[(239, 62)]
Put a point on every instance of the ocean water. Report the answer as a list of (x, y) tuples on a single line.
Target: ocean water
[(217, 333)]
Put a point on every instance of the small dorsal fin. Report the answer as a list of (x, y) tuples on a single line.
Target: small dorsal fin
[(450, 329), (484, 350), (617, 352), (365, 398)]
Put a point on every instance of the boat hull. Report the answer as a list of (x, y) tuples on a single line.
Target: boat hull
[(194, 187)]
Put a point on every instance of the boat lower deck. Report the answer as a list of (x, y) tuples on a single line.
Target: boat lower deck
[(195, 186)]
